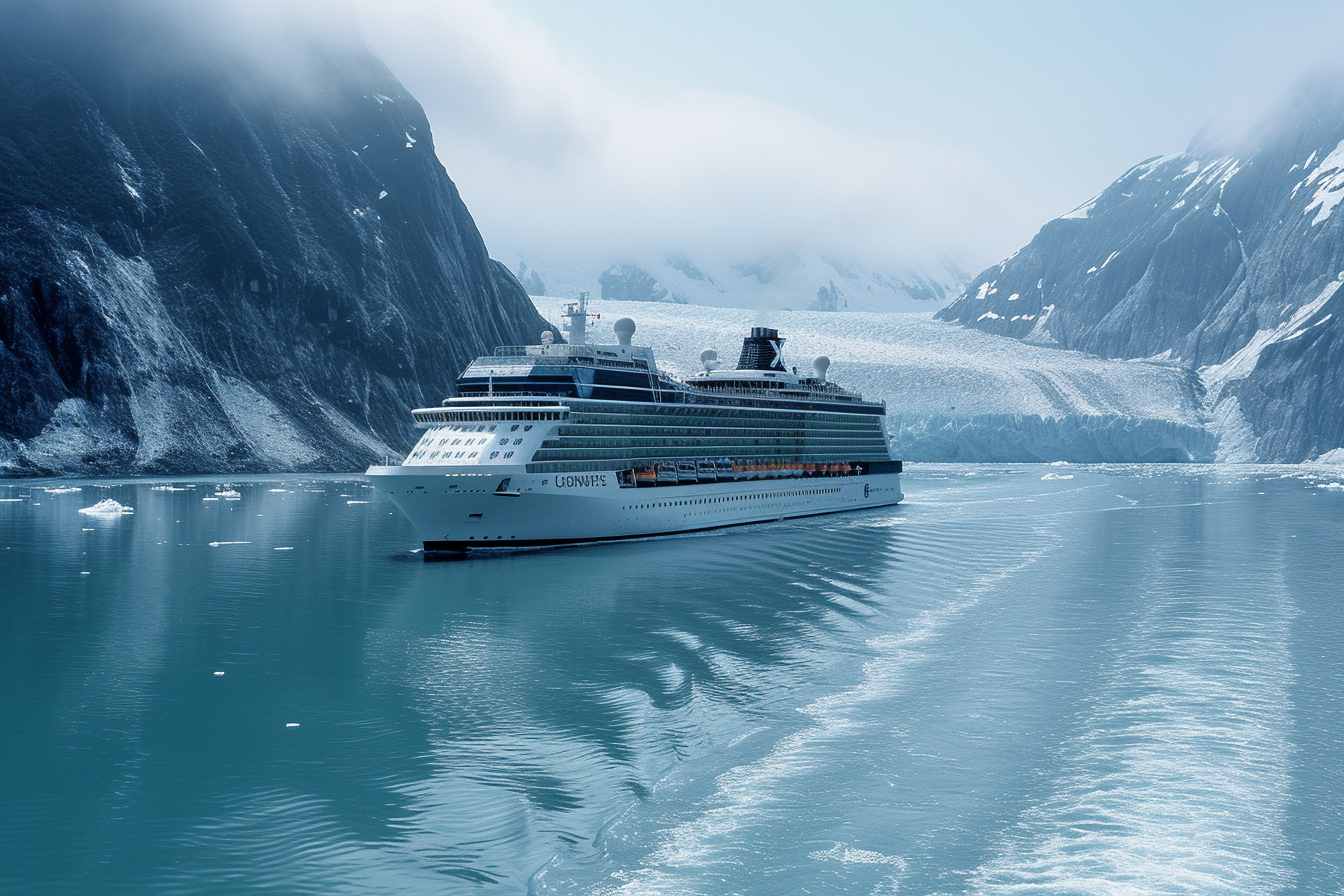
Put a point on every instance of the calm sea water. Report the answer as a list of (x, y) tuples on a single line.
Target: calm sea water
[(1024, 680)]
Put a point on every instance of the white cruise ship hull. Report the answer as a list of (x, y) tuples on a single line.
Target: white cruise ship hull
[(458, 511)]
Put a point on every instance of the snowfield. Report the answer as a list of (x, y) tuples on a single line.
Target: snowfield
[(952, 393)]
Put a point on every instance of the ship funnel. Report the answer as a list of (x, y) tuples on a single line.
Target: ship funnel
[(821, 365), (547, 337), (762, 350), (710, 359), (625, 330)]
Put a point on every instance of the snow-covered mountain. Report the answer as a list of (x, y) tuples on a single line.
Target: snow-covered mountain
[(797, 279), (952, 394), (1228, 260), (216, 261)]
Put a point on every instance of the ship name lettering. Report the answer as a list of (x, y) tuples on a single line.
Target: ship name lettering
[(581, 480)]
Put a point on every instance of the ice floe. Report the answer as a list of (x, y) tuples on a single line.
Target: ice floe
[(107, 507)]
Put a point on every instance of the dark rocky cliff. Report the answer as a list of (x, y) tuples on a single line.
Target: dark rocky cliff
[(207, 265), (1227, 259)]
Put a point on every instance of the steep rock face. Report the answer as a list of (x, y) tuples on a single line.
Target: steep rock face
[(1227, 261), (205, 266)]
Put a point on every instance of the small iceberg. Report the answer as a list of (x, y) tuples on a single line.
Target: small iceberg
[(107, 507), (63, 490), (228, 494)]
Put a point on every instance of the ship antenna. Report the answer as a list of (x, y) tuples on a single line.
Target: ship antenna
[(576, 320)]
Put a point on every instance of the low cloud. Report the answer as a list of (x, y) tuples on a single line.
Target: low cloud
[(554, 163)]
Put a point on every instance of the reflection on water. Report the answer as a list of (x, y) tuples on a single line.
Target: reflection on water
[(929, 697)]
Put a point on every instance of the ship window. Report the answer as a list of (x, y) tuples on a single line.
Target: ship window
[(494, 454), (527, 427), (504, 441), (508, 454), (513, 428), (517, 441), (492, 429)]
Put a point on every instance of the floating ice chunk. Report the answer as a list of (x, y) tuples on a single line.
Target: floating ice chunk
[(1057, 476), (171, 488), (283, 549), (382, 194), (215, 544), (1059, 463), (11, 500), (228, 494), (291, 724), (107, 507), (279, 491), (63, 490), (217, 674), (356, 502)]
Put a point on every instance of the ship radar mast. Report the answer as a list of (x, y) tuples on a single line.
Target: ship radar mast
[(575, 318)]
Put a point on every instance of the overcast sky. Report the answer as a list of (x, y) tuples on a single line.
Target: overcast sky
[(887, 131)]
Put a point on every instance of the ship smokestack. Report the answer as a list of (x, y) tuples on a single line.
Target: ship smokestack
[(762, 350)]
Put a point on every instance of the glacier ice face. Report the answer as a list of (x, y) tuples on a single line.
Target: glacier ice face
[(800, 279), (955, 394), (1228, 262)]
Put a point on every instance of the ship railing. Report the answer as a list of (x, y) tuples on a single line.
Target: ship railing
[(816, 392), (572, 354)]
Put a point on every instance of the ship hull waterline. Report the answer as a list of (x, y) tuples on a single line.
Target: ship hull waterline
[(458, 512)]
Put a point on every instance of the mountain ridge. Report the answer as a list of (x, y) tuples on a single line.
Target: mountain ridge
[(204, 268), (1205, 256)]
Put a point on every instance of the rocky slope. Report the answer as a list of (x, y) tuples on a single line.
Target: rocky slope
[(1229, 260), (210, 265)]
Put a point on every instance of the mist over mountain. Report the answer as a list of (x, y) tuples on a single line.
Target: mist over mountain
[(794, 278), (225, 244), (1227, 258)]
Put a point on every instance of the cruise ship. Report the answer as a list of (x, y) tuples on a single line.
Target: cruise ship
[(557, 443)]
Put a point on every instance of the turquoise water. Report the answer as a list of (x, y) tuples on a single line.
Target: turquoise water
[(1126, 681)]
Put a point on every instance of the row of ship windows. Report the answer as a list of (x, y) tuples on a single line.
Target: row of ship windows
[(428, 442), (675, 414), (485, 416), (491, 428), (819, 451), (713, 442), (797, 493), (578, 427), (448, 455)]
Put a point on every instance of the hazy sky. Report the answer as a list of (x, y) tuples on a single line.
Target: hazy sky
[(883, 130)]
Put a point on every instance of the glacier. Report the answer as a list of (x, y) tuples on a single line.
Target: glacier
[(1227, 257), (953, 394), (798, 277)]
